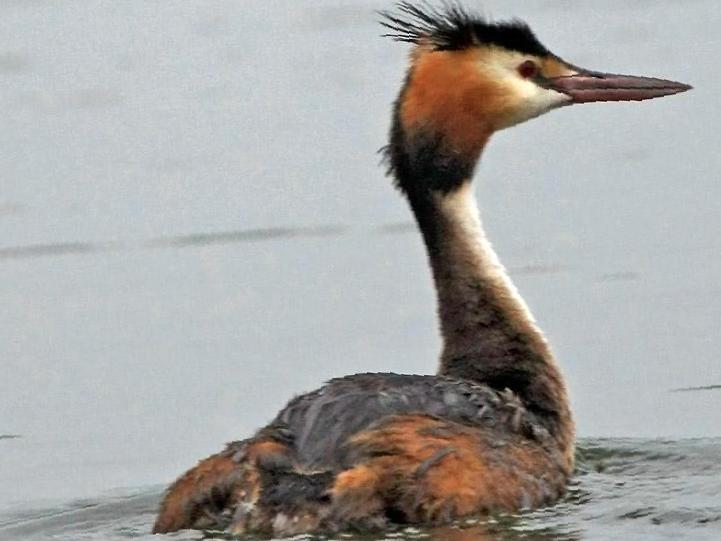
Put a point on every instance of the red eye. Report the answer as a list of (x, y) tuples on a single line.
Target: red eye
[(528, 69)]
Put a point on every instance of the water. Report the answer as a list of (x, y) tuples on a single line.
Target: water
[(625, 489), (194, 227)]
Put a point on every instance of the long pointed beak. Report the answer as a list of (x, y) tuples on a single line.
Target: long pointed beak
[(590, 86)]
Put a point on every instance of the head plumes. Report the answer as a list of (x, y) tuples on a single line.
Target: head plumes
[(451, 28)]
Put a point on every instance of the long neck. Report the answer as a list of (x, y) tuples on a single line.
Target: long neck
[(488, 332)]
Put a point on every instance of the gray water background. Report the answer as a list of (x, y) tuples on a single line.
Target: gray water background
[(194, 226)]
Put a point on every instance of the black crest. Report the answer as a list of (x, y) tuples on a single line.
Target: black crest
[(451, 27)]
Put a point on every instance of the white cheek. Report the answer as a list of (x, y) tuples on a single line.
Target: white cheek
[(532, 101)]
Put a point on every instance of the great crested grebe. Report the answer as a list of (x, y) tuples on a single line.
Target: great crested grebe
[(493, 430)]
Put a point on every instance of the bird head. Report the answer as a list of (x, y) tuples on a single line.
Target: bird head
[(469, 78)]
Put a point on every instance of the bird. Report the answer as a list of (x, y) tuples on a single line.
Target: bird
[(492, 430)]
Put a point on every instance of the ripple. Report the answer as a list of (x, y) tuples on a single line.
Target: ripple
[(696, 389), (114, 516), (40, 250), (620, 277), (249, 235), (58, 249), (179, 241)]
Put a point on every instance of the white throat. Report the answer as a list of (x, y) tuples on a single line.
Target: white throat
[(477, 261)]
